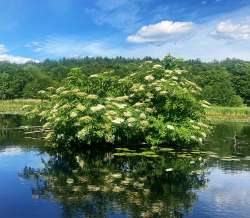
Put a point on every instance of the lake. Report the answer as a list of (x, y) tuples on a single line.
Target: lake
[(211, 183)]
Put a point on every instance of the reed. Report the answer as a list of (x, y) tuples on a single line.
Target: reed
[(229, 113), (16, 106)]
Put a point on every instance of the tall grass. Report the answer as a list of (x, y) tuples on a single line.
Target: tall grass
[(15, 106), (229, 113), (216, 113)]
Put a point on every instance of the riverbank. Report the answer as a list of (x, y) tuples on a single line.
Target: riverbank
[(15, 106), (214, 113), (238, 114)]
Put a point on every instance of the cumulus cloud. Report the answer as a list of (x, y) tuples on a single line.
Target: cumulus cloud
[(200, 45), (233, 31), (161, 32)]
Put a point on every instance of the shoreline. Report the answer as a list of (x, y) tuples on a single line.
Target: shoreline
[(228, 114), (214, 113)]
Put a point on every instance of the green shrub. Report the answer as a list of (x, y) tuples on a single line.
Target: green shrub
[(151, 105)]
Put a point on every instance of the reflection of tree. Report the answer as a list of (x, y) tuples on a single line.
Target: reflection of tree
[(227, 155), (12, 131), (96, 183)]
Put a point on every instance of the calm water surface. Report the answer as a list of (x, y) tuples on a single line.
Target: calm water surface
[(215, 183)]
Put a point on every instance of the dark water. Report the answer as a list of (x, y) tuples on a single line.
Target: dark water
[(215, 183)]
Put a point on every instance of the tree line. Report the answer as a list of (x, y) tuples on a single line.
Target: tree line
[(225, 83)]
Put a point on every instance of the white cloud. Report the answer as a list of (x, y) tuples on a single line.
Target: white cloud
[(162, 32), (4, 56), (11, 151), (201, 45), (3, 49), (109, 5), (121, 14), (16, 59), (233, 31), (71, 47)]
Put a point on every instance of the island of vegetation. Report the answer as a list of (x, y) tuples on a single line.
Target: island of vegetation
[(150, 105), (123, 101)]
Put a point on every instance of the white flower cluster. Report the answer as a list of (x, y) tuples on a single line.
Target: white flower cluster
[(91, 96), (138, 87), (97, 108), (149, 78), (157, 66), (170, 127), (122, 98), (118, 120)]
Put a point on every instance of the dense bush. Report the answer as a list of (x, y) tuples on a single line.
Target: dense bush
[(151, 105)]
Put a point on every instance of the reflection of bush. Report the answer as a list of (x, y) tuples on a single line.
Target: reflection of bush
[(141, 187)]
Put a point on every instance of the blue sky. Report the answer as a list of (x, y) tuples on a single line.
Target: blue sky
[(206, 29)]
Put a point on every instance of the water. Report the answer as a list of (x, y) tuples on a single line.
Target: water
[(94, 184)]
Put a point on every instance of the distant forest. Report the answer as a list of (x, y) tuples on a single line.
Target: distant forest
[(225, 83)]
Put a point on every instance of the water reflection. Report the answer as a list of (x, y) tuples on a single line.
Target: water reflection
[(212, 183), (94, 184), (229, 146), (13, 131)]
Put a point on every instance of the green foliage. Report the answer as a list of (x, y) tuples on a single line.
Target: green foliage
[(170, 62), (223, 83), (216, 83), (24, 80), (151, 105), (240, 74)]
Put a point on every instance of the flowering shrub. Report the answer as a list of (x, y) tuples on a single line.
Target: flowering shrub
[(152, 105)]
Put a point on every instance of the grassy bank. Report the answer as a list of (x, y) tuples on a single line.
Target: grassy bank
[(15, 106), (217, 113), (214, 113)]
